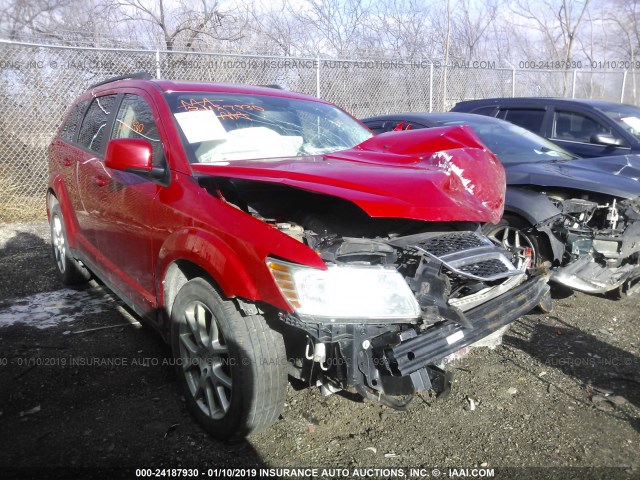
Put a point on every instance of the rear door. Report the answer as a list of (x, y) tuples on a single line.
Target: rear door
[(90, 173), (64, 156)]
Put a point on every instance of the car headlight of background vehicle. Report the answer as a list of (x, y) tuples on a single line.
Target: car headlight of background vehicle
[(345, 291)]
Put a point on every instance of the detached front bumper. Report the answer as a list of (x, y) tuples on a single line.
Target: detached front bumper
[(410, 356)]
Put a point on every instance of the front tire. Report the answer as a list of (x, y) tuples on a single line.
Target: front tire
[(515, 234), (70, 270), (231, 368)]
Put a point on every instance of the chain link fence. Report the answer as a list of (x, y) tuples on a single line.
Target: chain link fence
[(39, 82)]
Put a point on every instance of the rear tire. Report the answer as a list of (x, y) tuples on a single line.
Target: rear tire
[(70, 270), (231, 368)]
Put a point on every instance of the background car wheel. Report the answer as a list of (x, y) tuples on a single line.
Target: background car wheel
[(71, 271), (232, 368), (514, 234)]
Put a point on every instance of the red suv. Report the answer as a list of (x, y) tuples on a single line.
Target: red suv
[(266, 233)]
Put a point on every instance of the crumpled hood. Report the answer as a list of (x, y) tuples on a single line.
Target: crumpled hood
[(439, 174), (616, 176)]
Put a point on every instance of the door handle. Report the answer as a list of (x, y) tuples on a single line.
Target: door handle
[(99, 181)]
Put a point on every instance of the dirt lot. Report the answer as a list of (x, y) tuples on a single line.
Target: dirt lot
[(561, 394)]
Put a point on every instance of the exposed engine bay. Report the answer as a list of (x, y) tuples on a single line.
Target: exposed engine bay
[(595, 241), (424, 291)]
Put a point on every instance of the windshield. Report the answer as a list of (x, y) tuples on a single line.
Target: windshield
[(626, 116), (513, 144), (222, 127)]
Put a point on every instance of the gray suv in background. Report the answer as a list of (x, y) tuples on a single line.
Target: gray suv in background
[(587, 128)]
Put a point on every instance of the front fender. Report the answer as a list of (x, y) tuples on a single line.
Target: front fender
[(222, 263), (534, 207)]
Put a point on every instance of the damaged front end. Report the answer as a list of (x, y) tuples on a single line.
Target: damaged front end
[(601, 236), (402, 276), (389, 309)]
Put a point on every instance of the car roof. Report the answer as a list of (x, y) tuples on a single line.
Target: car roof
[(204, 87), (538, 101)]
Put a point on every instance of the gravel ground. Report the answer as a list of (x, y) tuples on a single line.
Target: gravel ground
[(559, 399)]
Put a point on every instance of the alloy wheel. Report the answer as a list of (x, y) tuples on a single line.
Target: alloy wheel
[(59, 244), (204, 356), (515, 241)]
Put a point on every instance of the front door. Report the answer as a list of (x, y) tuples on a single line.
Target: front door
[(126, 230)]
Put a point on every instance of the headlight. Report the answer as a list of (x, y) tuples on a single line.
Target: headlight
[(353, 292)]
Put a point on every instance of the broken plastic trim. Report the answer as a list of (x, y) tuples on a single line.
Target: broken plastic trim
[(456, 261), (432, 346)]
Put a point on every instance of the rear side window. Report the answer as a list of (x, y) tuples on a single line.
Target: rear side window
[(526, 118), (68, 130), (93, 131)]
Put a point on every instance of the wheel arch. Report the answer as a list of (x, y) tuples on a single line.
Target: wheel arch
[(58, 192), (192, 253), (533, 207), (178, 273), (537, 210)]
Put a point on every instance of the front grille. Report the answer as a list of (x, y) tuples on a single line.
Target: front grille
[(486, 268), (451, 243)]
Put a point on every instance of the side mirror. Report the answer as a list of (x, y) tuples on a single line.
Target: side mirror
[(606, 139), (129, 154)]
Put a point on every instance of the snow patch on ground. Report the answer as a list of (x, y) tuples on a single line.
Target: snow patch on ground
[(49, 309)]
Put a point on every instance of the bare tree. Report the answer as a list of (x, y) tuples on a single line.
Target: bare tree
[(558, 23), (177, 24), (471, 25), (447, 46), (624, 17), (25, 17), (336, 26), (276, 28), (406, 28)]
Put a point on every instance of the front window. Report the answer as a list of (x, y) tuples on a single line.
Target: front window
[(576, 127), (626, 116), (223, 127), (135, 120)]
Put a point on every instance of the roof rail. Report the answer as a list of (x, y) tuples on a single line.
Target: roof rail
[(129, 76), (277, 87)]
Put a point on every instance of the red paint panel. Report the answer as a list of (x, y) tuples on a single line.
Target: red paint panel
[(125, 153), (440, 174)]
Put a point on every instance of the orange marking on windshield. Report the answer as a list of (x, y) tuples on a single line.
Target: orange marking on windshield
[(233, 111)]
